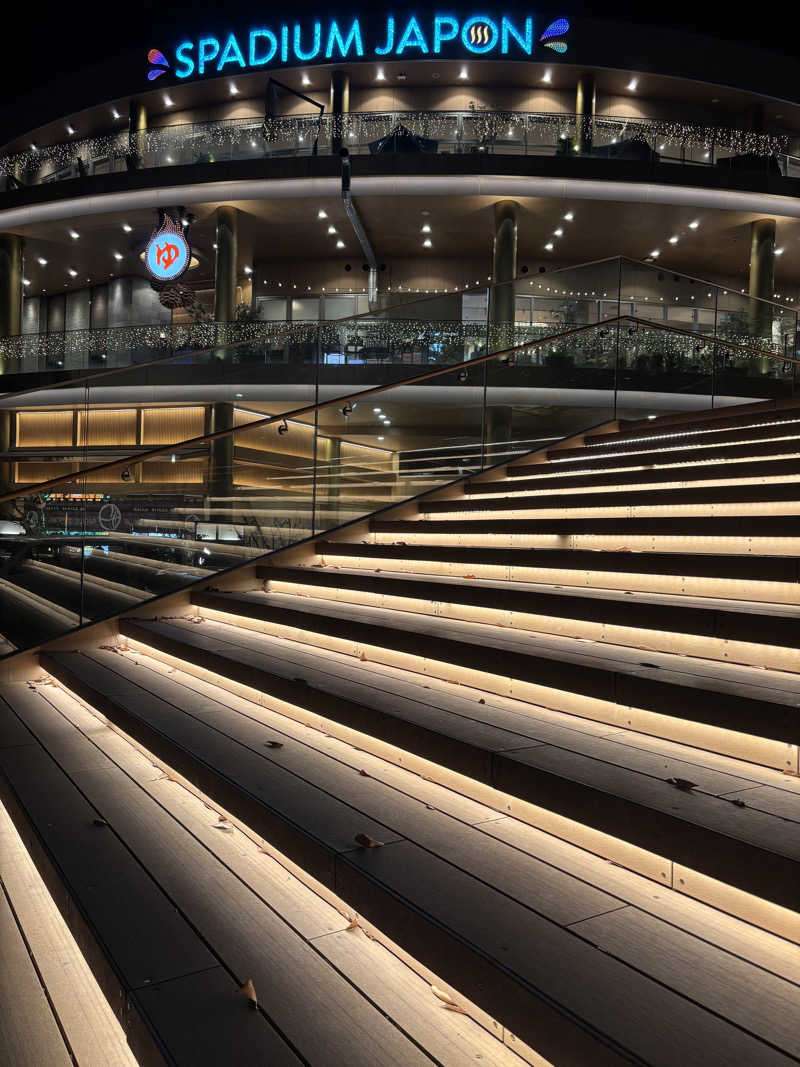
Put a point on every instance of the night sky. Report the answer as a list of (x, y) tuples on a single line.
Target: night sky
[(52, 40), (68, 52)]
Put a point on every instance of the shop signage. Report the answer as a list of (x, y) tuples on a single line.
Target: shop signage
[(168, 253), (333, 40)]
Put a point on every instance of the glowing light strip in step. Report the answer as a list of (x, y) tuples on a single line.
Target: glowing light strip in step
[(580, 577), (710, 446), (689, 433), (89, 1027), (744, 906), (399, 985)]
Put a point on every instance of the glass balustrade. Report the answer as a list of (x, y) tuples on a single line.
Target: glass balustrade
[(181, 469), (442, 132)]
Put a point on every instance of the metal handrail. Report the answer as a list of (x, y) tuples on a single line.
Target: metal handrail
[(453, 368), (373, 125)]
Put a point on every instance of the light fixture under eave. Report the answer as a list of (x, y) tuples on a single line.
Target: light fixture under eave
[(464, 74), (168, 101), (118, 256), (426, 228), (74, 235), (569, 217), (427, 243), (305, 80), (234, 89), (632, 85), (70, 130), (549, 246), (673, 240), (693, 225), (547, 77), (115, 114), (380, 76), (126, 226), (655, 253), (778, 251), (322, 214), (340, 244)]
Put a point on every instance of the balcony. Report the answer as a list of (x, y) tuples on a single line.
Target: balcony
[(476, 133)]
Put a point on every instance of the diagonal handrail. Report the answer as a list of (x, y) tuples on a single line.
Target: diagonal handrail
[(384, 315), (452, 368)]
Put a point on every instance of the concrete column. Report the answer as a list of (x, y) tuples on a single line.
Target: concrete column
[(136, 133), (10, 284), (585, 98), (6, 468), (227, 259), (339, 104), (220, 459), (762, 275), (504, 271)]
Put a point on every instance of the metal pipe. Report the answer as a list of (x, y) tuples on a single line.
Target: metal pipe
[(360, 232)]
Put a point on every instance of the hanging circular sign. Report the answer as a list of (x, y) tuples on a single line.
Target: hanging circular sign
[(168, 252)]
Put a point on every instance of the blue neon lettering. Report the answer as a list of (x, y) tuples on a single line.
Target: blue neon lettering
[(479, 46), (524, 39), (284, 43), (389, 38), (335, 38), (268, 35), (231, 53), (445, 28), (298, 49), (188, 63), (207, 50), (412, 38)]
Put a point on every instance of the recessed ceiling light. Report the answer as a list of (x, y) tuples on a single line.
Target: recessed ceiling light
[(42, 262), (234, 90), (673, 240), (464, 73), (118, 256), (168, 102), (569, 217), (778, 251), (26, 281), (33, 147), (558, 233), (549, 246), (70, 130), (380, 438), (547, 77), (127, 227), (427, 243), (114, 113), (377, 410), (694, 224), (322, 214), (380, 76), (426, 228), (331, 229), (655, 253), (74, 235), (632, 85), (386, 422), (72, 273), (306, 80), (248, 270), (214, 245), (340, 244)]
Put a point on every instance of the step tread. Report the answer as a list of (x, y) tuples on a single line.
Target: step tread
[(732, 679), (710, 616), (549, 478), (598, 780), (734, 526), (754, 564), (313, 1009), (421, 881)]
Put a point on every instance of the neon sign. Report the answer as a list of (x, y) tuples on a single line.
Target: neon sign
[(333, 40), (168, 253)]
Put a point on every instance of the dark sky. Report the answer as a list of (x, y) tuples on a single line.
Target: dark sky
[(53, 39)]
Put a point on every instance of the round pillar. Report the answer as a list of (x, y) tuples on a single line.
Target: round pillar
[(220, 473), (762, 275), (585, 99), (137, 129), (339, 105), (10, 284), (226, 263), (504, 271)]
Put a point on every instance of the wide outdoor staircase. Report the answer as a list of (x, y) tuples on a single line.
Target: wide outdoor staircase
[(505, 773)]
